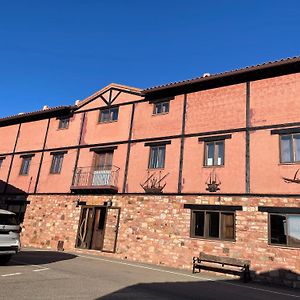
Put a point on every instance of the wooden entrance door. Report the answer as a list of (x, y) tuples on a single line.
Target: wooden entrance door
[(98, 228), (91, 228)]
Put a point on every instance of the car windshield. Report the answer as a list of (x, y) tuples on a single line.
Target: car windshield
[(8, 219)]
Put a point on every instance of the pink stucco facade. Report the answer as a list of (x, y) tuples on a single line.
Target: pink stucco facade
[(273, 102), (133, 143)]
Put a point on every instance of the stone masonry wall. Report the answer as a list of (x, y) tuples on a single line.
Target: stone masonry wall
[(156, 230)]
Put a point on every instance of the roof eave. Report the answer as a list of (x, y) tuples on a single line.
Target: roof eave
[(35, 116), (231, 77)]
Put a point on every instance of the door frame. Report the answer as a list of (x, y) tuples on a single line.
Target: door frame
[(93, 207), (116, 229)]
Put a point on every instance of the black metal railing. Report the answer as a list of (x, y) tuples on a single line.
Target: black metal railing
[(96, 177)]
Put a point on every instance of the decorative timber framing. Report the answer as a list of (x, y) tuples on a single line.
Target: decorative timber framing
[(79, 143), (42, 157), (128, 149), (247, 141), (12, 158), (179, 188)]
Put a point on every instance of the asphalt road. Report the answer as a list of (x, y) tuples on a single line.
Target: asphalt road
[(55, 275)]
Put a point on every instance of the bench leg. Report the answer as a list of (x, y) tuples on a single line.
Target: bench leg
[(195, 262), (246, 274)]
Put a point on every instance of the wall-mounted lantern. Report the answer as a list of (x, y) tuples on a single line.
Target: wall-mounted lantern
[(79, 203), (108, 203)]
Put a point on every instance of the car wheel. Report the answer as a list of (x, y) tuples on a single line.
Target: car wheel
[(4, 259)]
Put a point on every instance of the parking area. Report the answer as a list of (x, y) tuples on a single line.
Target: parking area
[(36, 274)]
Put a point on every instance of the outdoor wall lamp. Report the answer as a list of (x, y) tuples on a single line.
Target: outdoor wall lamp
[(79, 203), (108, 203)]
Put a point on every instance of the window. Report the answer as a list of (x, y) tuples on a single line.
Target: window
[(1, 161), (284, 229), (63, 123), (57, 161), (213, 224), (214, 153), (103, 160), (25, 165), (157, 157), (161, 108), (109, 115), (290, 148)]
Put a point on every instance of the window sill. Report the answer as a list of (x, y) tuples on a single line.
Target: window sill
[(216, 166), (286, 247), (63, 128), (160, 114), (289, 163), (154, 169), (212, 239), (107, 122), (23, 174)]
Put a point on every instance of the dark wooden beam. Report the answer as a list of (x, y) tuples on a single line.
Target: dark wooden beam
[(247, 139), (213, 207), (42, 158), (128, 149), (12, 158), (79, 143), (179, 186), (115, 97)]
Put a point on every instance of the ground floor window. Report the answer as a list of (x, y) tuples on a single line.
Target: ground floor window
[(284, 229), (213, 224)]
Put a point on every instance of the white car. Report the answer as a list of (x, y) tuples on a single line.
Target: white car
[(9, 235)]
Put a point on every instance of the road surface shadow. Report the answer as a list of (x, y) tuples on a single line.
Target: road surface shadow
[(206, 290), (39, 257)]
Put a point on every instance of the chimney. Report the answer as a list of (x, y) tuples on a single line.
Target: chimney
[(45, 107), (77, 102)]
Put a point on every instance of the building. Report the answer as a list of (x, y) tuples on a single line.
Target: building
[(158, 175)]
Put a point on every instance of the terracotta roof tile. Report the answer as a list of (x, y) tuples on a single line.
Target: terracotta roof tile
[(223, 74)]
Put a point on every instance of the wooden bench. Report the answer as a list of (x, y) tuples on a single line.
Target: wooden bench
[(241, 267)]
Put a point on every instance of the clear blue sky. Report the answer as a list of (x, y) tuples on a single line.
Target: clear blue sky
[(56, 51)]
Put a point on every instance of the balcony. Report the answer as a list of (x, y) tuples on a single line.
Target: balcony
[(91, 180)]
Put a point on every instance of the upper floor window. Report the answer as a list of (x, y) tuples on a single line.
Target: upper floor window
[(157, 157), (284, 229), (56, 164), (109, 115), (63, 123), (214, 153), (1, 161), (26, 160), (290, 148), (161, 107), (213, 224)]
